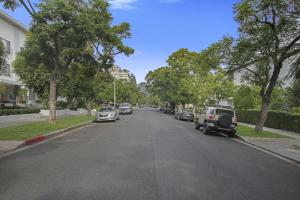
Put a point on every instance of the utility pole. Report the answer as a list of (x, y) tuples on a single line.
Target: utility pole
[(115, 93)]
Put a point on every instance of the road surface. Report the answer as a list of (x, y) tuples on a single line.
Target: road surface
[(146, 156)]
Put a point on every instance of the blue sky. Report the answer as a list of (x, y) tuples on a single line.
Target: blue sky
[(160, 27)]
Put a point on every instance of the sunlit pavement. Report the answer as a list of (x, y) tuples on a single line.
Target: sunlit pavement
[(147, 155)]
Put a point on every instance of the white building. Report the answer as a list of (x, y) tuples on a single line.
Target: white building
[(119, 73), (283, 76), (13, 35)]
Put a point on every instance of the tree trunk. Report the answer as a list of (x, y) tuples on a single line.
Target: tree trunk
[(263, 114), (52, 100), (266, 98), (194, 110), (89, 107)]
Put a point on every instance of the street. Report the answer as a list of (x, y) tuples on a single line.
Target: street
[(147, 155)]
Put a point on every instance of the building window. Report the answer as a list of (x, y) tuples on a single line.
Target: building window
[(6, 44), (5, 71)]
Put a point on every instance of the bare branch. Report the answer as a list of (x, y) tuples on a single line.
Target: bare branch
[(32, 8), (291, 54), (256, 74)]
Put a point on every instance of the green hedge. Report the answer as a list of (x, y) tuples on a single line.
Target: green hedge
[(12, 107), (19, 111), (276, 119)]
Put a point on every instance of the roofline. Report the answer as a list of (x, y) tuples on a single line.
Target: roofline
[(13, 21)]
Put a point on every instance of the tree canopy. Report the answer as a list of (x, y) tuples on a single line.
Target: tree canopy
[(54, 46), (269, 34), (191, 77)]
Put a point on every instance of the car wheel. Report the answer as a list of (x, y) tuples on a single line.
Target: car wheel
[(197, 126), (205, 129), (231, 134)]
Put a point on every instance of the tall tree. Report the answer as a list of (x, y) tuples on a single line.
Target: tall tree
[(160, 83), (54, 44), (183, 66), (81, 81), (269, 37)]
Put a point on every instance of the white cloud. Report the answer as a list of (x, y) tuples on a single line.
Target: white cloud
[(170, 1), (121, 4)]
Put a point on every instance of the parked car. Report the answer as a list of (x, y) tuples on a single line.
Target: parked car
[(169, 110), (107, 114), (125, 108), (184, 114), (217, 119)]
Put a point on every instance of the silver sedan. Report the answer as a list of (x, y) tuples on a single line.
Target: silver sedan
[(107, 114)]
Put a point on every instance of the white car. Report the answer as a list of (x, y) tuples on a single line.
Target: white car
[(125, 108), (217, 119), (107, 114)]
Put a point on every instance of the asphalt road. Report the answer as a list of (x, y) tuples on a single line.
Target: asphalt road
[(147, 155)]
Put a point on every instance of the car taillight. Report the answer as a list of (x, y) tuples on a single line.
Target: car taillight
[(211, 117)]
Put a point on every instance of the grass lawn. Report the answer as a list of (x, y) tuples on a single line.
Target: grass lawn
[(250, 132), (29, 130)]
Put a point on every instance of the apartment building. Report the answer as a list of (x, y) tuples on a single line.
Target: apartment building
[(119, 73), (283, 76), (12, 34)]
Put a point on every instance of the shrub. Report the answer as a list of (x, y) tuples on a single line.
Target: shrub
[(296, 110), (276, 119), (11, 107), (19, 111)]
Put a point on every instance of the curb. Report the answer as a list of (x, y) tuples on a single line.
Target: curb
[(278, 155), (47, 136)]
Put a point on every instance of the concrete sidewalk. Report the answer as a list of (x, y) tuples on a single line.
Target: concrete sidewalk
[(9, 145), (12, 120), (286, 147)]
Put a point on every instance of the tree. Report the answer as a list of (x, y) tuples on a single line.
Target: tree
[(183, 65), (221, 86), (54, 44), (160, 83), (132, 78), (191, 78), (13, 4), (2, 90), (80, 83), (126, 92), (35, 77), (293, 95), (269, 33), (246, 97)]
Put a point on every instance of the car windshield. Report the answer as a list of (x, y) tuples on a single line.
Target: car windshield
[(107, 109), (210, 111), (222, 111), (125, 105)]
